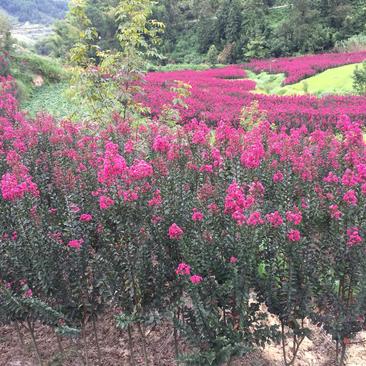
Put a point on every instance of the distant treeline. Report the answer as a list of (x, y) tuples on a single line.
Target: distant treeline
[(233, 30), (35, 11)]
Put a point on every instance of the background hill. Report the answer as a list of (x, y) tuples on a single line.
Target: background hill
[(35, 11)]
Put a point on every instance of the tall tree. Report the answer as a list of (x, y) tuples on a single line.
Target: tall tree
[(302, 31)]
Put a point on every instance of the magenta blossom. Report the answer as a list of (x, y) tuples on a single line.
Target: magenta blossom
[(196, 279), (28, 294), (293, 235), (294, 216), (277, 177), (275, 219), (363, 189), (156, 200), (350, 198), (183, 269), (76, 243), (105, 202), (156, 219), (12, 190), (255, 218), (334, 212), (331, 178), (233, 260), (140, 170), (354, 237), (175, 232), (197, 215), (86, 218)]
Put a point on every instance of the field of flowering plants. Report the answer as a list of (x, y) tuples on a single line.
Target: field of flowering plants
[(191, 225), (298, 68), (220, 94)]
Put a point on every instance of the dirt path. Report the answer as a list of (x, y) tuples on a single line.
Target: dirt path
[(317, 351)]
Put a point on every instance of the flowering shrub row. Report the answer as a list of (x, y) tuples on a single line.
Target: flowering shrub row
[(214, 94), (298, 68), (220, 94), (8, 102), (201, 225)]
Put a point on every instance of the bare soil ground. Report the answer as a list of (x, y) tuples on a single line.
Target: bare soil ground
[(316, 351)]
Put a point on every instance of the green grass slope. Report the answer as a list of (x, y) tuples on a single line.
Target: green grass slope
[(27, 66), (50, 99), (337, 80)]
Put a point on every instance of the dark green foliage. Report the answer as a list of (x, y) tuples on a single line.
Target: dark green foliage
[(256, 48), (212, 55), (359, 79), (250, 28)]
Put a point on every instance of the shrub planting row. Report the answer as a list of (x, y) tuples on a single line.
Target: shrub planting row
[(195, 225), (220, 94)]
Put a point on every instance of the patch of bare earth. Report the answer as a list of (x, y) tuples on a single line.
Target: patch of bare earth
[(318, 350)]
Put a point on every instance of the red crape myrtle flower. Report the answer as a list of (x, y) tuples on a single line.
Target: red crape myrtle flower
[(183, 269), (105, 202), (197, 215), (294, 235), (350, 197), (354, 237), (335, 213), (76, 243), (196, 279), (175, 232), (277, 177), (86, 218), (294, 216), (275, 219)]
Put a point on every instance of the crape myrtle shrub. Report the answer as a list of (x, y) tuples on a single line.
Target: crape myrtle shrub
[(194, 224), (298, 68), (220, 94)]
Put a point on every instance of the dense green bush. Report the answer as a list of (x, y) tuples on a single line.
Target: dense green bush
[(359, 79), (212, 56)]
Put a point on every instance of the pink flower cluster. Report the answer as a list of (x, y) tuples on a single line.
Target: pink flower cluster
[(12, 190), (298, 68), (294, 235), (8, 102), (236, 202), (175, 232), (76, 244), (105, 202), (184, 269), (86, 218), (354, 237)]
